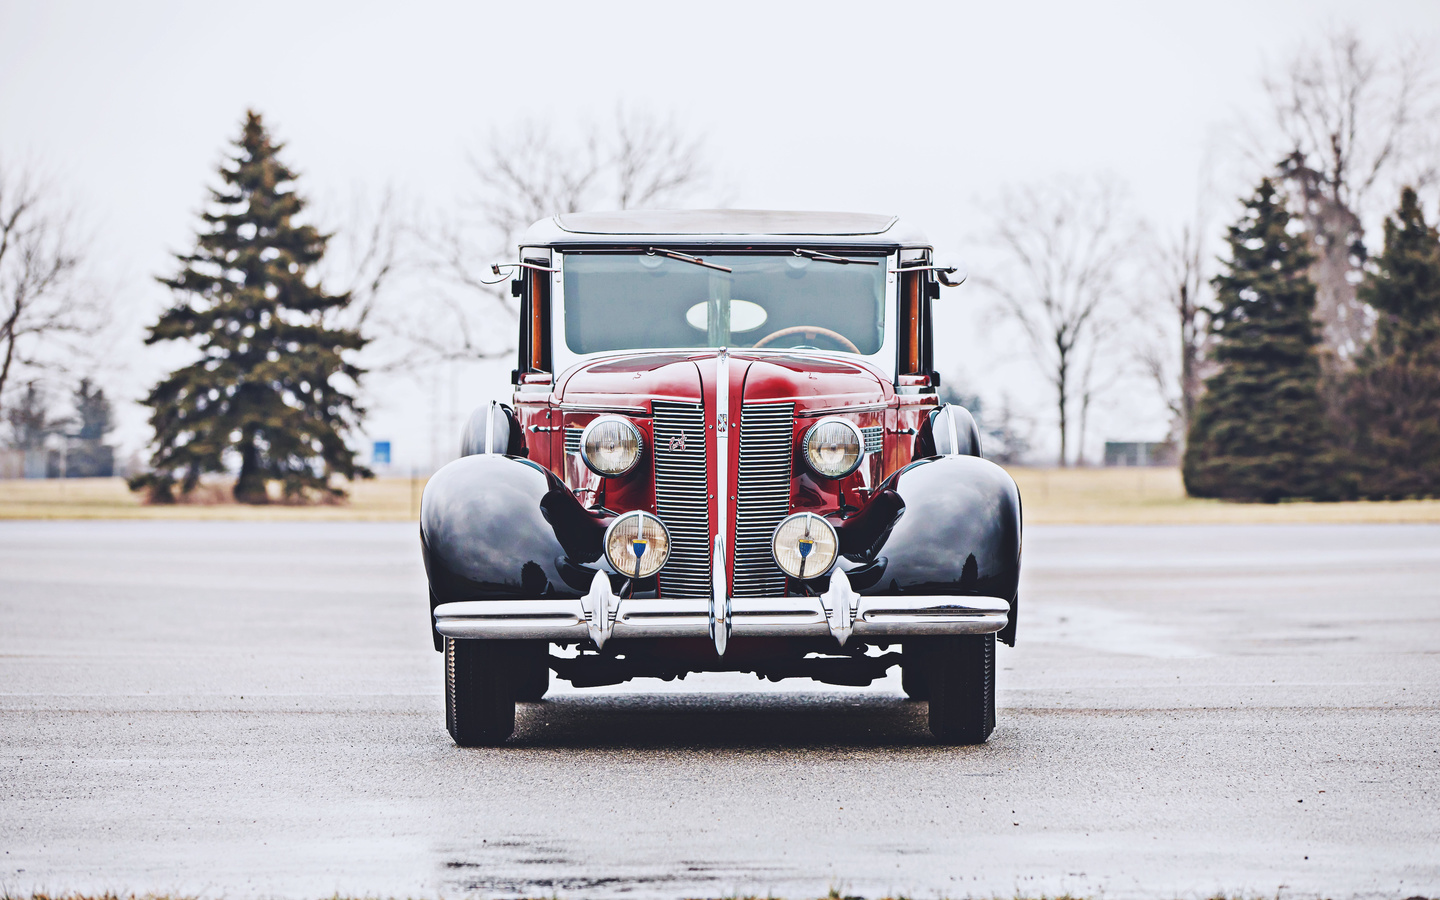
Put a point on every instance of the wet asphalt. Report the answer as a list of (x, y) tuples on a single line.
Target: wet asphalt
[(254, 710)]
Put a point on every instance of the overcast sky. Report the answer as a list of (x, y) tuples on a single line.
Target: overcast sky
[(924, 110)]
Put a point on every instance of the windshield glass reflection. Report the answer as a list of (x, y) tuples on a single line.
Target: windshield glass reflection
[(636, 301)]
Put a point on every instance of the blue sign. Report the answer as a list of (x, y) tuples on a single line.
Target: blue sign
[(380, 453)]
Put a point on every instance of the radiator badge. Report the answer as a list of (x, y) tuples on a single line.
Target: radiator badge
[(722, 424), (677, 443)]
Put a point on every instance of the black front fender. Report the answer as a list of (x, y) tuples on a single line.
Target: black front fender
[(498, 528), (946, 525)]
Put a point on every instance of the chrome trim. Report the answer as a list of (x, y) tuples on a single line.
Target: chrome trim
[(600, 606), (859, 440), (719, 572), (894, 617), (719, 618), (874, 438), (682, 500), (612, 410), (762, 495), (639, 445), (841, 410)]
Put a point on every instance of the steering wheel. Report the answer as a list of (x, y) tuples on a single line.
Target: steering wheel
[(810, 331)]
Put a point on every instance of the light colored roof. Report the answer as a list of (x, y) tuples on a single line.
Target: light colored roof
[(720, 225)]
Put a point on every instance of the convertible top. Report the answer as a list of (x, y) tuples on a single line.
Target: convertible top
[(747, 226)]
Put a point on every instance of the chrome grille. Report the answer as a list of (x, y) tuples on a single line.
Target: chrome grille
[(572, 439), (763, 492), (874, 438), (682, 496)]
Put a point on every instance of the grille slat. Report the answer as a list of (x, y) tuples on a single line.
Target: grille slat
[(874, 438), (682, 497), (572, 439), (763, 492)]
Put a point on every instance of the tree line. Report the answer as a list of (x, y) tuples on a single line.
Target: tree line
[(1279, 370)]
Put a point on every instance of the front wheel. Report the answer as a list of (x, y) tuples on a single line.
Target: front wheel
[(479, 694), (962, 688)]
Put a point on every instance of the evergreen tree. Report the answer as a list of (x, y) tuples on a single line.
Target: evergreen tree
[(273, 387), (93, 410), (1259, 432), (1392, 401)]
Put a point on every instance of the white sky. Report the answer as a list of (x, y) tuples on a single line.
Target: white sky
[(921, 109)]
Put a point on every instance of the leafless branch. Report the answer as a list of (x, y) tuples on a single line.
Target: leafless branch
[(524, 174), (1065, 243), (41, 300), (1353, 121)]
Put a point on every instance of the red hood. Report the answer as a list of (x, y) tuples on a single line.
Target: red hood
[(811, 381)]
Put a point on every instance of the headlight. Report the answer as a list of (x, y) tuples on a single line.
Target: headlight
[(637, 544), (804, 546), (834, 447), (610, 446)]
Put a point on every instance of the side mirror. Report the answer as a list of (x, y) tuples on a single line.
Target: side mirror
[(951, 276)]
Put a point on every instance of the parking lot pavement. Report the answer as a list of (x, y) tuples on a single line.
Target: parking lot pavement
[(253, 709)]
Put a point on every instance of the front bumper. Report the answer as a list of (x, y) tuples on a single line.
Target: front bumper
[(839, 612)]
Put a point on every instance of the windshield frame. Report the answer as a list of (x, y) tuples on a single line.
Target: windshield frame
[(884, 358)]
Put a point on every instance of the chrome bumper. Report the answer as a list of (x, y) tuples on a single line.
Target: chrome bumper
[(839, 612)]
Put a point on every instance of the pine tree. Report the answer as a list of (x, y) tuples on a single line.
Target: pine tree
[(1259, 432), (273, 387), (1392, 401)]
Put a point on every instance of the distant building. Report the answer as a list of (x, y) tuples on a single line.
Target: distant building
[(1141, 453)]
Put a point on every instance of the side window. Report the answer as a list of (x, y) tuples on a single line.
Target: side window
[(916, 345), (534, 343)]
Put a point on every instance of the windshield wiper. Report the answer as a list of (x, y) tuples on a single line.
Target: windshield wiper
[(842, 260), (694, 260)]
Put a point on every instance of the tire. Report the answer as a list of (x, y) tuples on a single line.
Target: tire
[(914, 679), (962, 688), (532, 671), (479, 694)]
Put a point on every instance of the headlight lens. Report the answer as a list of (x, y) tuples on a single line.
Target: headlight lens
[(804, 546), (610, 446), (637, 544), (834, 448)]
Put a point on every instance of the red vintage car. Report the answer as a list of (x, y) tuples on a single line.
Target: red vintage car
[(725, 453)]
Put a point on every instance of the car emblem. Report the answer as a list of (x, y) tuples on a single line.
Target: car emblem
[(677, 443)]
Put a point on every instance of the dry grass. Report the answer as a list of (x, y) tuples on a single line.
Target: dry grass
[(381, 499), (1146, 496), (1136, 496)]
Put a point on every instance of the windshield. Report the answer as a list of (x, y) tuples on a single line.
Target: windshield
[(639, 301)]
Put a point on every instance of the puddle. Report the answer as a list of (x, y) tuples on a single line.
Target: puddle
[(1094, 628)]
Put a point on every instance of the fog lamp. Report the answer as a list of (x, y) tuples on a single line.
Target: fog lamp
[(637, 544), (834, 447), (804, 546), (610, 446)]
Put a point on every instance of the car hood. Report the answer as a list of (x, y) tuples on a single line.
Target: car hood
[(812, 381)]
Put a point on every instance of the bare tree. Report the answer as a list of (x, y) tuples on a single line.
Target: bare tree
[(1351, 118), (524, 174), (1064, 244), (1172, 352), (41, 299)]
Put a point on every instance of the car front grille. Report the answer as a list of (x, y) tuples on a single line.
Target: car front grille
[(763, 492), (572, 439), (682, 496)]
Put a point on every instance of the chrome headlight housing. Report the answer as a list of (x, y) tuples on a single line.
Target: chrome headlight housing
[(804, 546), (637, 544), (611, 446), (834, 447)]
